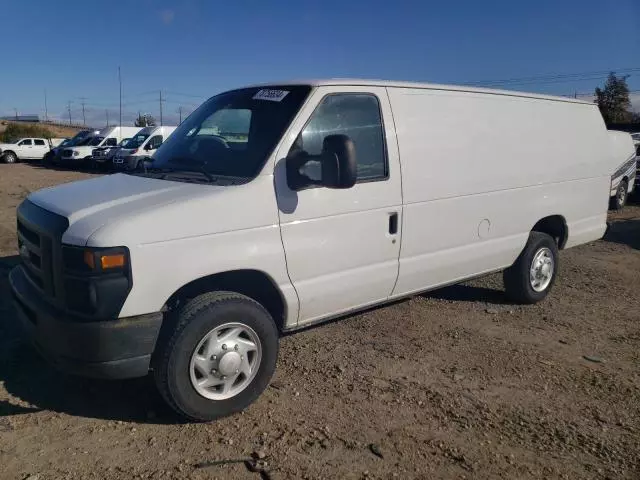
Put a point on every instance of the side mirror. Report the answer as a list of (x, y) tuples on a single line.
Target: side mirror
[(337, 162), (148, 146)]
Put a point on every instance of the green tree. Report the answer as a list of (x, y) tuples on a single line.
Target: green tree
[(613, 99), (145, 120)]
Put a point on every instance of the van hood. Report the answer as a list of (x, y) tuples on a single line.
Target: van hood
[(94, 203)]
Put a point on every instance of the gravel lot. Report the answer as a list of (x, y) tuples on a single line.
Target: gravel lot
[(455, 383)]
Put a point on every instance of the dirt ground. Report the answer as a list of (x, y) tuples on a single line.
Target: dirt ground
[(451, 384)]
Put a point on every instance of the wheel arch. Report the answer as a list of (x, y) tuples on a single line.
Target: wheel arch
[(255, 284), (555, 226)]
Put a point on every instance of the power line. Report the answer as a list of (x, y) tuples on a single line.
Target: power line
[(187, 94), (554, 78), (120, 83)]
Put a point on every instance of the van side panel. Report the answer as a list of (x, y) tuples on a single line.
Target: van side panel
[(479, 170)]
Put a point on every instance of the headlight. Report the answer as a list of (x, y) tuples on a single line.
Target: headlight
[(95, 260), (96, 280), (75, 154)]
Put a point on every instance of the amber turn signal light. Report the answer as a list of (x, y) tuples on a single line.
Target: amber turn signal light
[(117, 260)]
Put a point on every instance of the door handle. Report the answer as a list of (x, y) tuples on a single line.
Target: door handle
[(393, 223)]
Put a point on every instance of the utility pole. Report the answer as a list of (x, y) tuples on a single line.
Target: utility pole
[(69, 110), (46, 112), (16, 110), (120, 82), (106, 111), (180, 113), (84, 123), (160, 107)]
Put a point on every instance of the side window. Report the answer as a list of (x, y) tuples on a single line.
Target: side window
[(39, 142), (355, 115), (26, 142), (111, 142), (155, 142)]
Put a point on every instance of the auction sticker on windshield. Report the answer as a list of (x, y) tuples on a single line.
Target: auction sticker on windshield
[(271, 95)]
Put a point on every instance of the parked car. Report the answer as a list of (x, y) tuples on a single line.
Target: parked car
[(80, 155), (26, 149), (102, 157), (272, 208), (53, 156), (624, 161), (141, 147)]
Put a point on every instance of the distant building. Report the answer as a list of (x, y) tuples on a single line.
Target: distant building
[(22, 118)]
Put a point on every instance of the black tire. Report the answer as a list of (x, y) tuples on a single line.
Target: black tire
[(10, 157), (620, 200), (171, 365), (517, 282)]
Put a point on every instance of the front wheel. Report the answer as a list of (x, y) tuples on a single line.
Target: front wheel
[(10, 157), (620, 200), (219, 357), (531, 277)]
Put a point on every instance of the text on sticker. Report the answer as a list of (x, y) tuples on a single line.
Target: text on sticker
[(272, 95)]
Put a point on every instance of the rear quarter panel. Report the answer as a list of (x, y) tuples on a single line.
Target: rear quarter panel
[(479, 170)]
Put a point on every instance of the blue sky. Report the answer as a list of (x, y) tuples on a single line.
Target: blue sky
[(192, 49)]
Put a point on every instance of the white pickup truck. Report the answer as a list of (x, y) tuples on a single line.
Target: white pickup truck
[(27, 149)]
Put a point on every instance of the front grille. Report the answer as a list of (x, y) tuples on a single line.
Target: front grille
[(40, 243), (31, 236), (35, 253)]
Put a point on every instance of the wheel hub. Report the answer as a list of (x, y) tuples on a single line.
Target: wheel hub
[(230, 363), (541, 272), (225, 361)]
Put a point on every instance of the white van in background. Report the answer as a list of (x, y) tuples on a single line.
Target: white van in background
[(623, 151), (140, 147), (275, 207), (107, 137)]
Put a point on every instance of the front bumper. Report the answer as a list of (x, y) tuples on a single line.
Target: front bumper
[(125, 163), (119, 348)]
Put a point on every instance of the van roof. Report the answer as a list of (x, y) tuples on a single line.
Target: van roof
[(429, 86)]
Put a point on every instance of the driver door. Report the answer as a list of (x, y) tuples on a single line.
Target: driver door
[(342, 246), (25, 149)]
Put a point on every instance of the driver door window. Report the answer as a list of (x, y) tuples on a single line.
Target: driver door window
[(154, 142), (25, 143), (355, 115)]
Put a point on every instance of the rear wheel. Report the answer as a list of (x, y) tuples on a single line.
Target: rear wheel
[(531, 277), (219, 357), (620, 200), (10, 157)]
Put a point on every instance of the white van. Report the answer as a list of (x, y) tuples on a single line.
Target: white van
[(107, 137), (623, 152), (275, 207), (141, 147)]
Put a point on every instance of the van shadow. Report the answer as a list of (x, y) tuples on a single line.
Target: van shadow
[(625, 232), (36, 386), (469, 293), (70, 168)]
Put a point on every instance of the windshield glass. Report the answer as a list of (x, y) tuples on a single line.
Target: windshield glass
[(136, 141), (95, 141), (83, 141), (232, 134), (635, 136)]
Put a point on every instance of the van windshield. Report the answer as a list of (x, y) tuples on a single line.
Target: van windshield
[(84, 141), (136, 141), (231, 134)]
